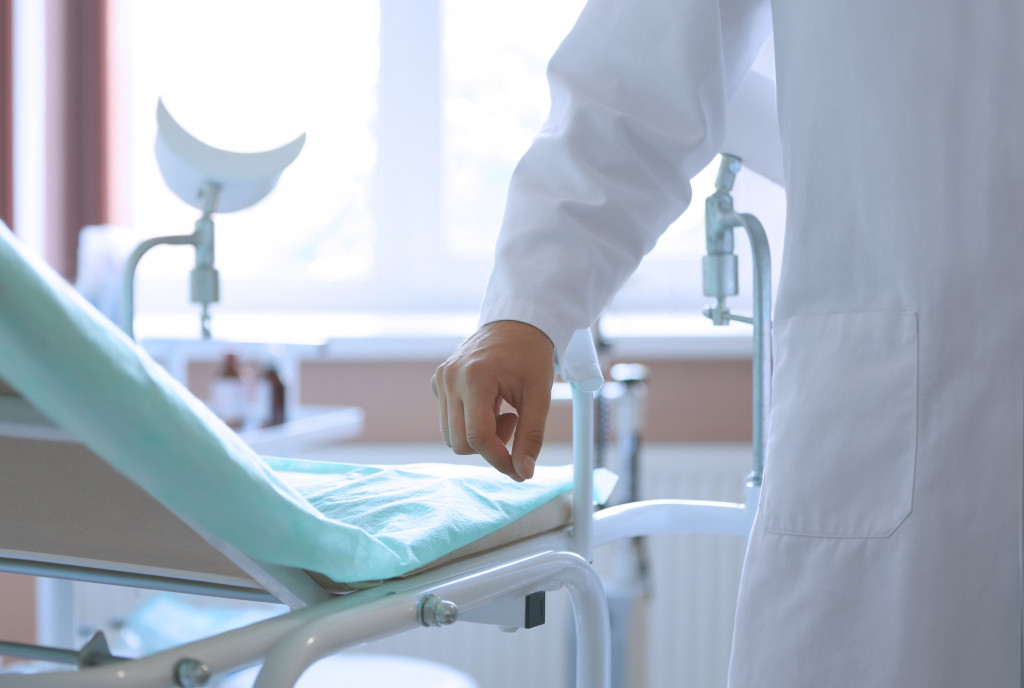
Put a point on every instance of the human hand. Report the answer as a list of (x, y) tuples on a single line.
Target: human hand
[(503, 361)]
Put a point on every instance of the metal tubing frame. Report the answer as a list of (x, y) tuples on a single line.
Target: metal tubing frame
[(581, 536), (128, 279), (130, 579), (721, 219), (293, 641), (676, 516), (41, 653), (290, 657), (762, 363), (201, 239)]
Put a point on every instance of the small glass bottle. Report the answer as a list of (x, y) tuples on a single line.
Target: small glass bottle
[(227, 393), (275, 408)]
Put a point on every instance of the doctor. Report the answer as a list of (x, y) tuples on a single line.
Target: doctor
[(886, 550)]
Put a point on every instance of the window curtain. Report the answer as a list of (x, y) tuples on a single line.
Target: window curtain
[(6, 112), (78, 132)]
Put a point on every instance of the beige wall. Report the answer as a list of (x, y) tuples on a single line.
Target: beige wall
[(17, 596), (689, 401), (17, 603)]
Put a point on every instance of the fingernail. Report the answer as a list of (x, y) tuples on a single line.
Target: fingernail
[(526, 471)]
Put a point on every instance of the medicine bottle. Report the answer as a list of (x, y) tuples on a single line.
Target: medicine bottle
[(228, 393), (274, 406)]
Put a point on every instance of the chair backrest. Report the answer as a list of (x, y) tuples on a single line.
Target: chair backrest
[(64, 509), (73, 365)]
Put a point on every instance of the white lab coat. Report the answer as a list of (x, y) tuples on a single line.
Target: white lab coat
[(886, 551)]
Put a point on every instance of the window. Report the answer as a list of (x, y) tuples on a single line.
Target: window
[(249, 76), (495, 100), (415, 113)]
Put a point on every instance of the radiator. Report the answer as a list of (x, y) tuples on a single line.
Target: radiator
[(681, 629)]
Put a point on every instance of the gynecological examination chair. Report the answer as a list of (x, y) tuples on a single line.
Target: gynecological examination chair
[(115, 473)]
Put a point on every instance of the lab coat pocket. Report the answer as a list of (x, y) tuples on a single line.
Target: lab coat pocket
[(843, 439)]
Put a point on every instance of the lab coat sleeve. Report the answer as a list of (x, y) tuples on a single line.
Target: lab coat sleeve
[(639, 90)]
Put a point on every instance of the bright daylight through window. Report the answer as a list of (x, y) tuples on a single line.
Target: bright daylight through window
[(415, 112)]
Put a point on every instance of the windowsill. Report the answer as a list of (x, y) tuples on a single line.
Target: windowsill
[(428, 336)]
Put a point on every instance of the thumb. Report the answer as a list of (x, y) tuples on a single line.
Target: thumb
[(529, 435)]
